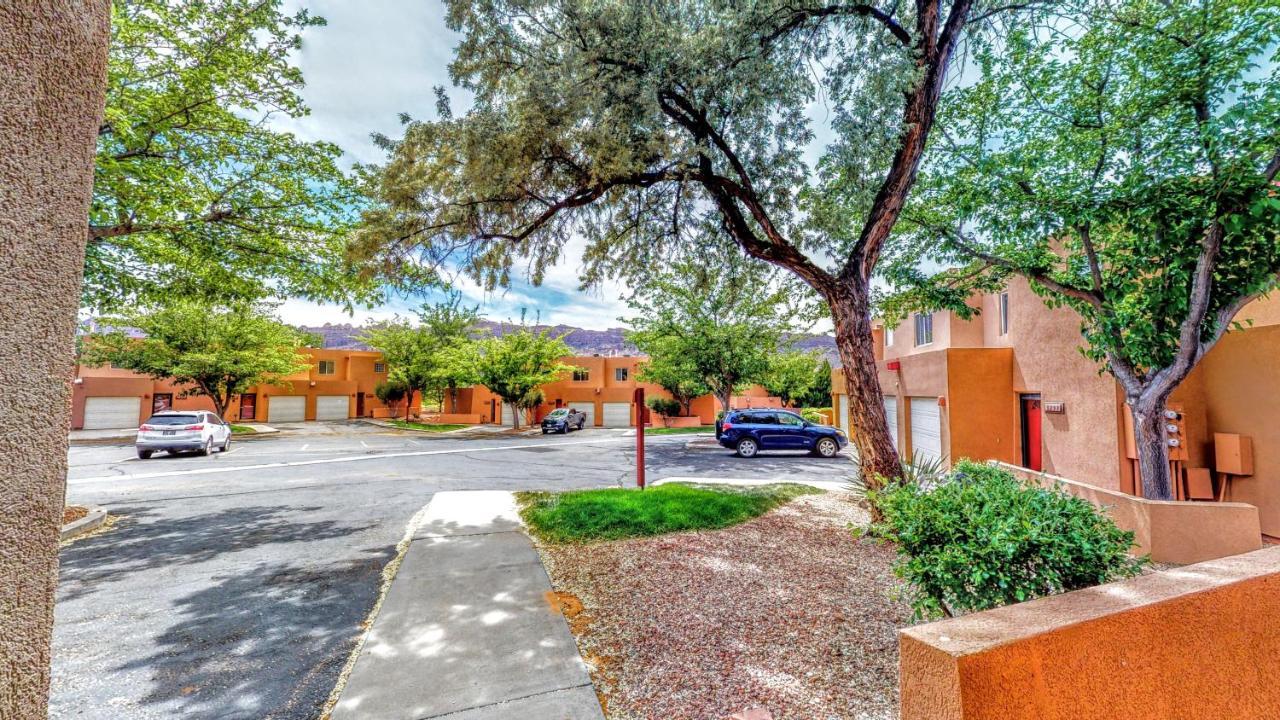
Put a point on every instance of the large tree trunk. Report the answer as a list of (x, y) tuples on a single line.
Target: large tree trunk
[(877, 458), (515, 416), (1151, 439), (725, 397)]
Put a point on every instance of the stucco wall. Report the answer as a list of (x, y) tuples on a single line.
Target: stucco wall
[(53, 55), (1197, 642), (982, 405)]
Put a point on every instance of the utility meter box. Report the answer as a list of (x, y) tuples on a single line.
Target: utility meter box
[(1233, 454)]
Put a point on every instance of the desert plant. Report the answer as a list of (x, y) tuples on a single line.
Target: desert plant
[(983, 538), (813, 415)]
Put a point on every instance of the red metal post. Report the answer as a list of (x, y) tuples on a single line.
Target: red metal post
[(639, 401)]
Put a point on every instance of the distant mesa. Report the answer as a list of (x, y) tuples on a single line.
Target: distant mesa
[(609, 342)]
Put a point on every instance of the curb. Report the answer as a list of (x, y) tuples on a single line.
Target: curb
[(827, 485), (92, 521), (705, 444)]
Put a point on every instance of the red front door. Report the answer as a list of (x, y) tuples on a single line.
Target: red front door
[(248, 406), (1031, 437)]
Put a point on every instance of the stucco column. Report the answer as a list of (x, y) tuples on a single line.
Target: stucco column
[(52, 79)]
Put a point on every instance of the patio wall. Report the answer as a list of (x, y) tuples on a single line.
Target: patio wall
[(1193, 642), (1170, 531)]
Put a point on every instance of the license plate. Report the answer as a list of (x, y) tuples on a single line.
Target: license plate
[(170, 432)]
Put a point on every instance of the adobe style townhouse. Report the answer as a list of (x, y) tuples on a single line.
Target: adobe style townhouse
[(340, 384), (1011, 385)]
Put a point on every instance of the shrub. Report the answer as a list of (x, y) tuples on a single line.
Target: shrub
[(984, 538), (664, 406), (814, 415)]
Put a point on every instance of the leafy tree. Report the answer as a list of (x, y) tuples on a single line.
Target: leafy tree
[(433, 357), (217, 352), (195, 193), (515, 365), (1126, 170), (675, 374), (796, 377), (391, 391), (635, 124), (719, 324)]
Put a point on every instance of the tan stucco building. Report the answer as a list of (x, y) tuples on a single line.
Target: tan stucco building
[(1010, 384)]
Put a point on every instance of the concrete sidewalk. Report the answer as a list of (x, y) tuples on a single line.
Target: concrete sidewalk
[(468, 629)]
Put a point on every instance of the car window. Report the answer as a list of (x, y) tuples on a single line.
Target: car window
[(172, 420), (789, 419), (558, 413), (763, 419), (215, 419)]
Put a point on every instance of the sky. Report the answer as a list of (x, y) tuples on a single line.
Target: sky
[(376, 59)]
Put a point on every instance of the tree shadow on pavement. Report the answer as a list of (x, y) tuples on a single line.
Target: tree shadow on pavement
[(267, 643), (144, 540)]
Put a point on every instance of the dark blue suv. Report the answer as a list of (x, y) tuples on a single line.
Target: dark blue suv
[(750, 431)]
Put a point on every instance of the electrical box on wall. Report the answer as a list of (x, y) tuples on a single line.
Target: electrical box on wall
[(1233, 454)]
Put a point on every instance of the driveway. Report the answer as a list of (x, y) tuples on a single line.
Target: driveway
[(234, 586)]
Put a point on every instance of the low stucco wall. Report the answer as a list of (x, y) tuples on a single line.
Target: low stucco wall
[(1172, 532), (678, 422), (451, 418), (1194, 642)]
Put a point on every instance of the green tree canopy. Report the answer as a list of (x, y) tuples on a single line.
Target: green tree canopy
[(435, 356), (391, 391), (712, 324), (516, 364), (799, 377), (676, 374), (196, 192), (638, 125), (1127, 170), (217, 352)]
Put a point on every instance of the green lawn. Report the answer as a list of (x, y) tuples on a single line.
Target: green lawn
[(407, 425), (614, 514), (679, 430), (242, 430)]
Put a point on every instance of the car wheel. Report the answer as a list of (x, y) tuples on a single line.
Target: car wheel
[(144, 454), (544, 431), (226, 445), (826, 447), (747, 448), (207, 450)]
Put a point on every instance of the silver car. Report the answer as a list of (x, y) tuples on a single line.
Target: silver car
[(176, 431)]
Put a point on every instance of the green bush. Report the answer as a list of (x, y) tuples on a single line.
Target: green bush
[(814, 415), (664, 406), (984, 538)]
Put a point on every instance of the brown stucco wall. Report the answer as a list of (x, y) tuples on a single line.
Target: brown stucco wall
[(1242, 395), (982, 405), (53, 55), (1195, 642)]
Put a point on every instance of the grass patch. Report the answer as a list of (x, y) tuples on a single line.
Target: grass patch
[(242, 430), (615, 513), (408, 425), (679, 430)]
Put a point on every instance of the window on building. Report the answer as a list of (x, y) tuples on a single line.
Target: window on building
[(327, 367), (581, 374), (1004, 313), (924, 329), (621, 374), (379, 367), (888, 336)]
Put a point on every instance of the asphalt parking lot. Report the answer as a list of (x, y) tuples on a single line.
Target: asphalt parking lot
[(233, 586)]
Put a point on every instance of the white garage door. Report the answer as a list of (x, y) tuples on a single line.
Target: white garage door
[(926, 428), (107, 413), (891, 417), (617, 414), (332, 407), (587, 408), (843, 420), (286, 408)]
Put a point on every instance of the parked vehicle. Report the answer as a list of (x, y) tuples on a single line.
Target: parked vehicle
[(562, 420), (177, 431), (752, 430)]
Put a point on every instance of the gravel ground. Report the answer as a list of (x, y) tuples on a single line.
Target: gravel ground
[(787, 612)]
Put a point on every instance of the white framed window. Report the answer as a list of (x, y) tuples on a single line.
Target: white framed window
[(621, 374), (1004, 313), (326, 367), (581, 375), (888, 336), (379, 368), (924, 329)]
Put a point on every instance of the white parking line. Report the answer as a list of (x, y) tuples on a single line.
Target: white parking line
[(304, 446), (325, 461), (364, 444)]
